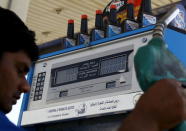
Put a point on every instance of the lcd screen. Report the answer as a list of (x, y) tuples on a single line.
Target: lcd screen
[(67, 75), (90, 69), (113, 65)]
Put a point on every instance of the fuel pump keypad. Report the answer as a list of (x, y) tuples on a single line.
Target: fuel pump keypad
[(39, 86)]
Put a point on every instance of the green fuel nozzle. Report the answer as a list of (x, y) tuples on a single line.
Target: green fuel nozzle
[(154, 61)]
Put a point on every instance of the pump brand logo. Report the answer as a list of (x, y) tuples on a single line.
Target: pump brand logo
[(81, 109)]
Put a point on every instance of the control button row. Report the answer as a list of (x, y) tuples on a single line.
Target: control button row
[(41, 74), (37, 98), (39, 86)]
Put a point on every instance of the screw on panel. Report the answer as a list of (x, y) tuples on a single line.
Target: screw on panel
[(144, 40), (44, 64)]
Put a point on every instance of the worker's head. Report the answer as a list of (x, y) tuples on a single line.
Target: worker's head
[(18, 50)]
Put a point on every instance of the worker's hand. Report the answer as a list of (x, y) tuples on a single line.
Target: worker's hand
[(163, 106)]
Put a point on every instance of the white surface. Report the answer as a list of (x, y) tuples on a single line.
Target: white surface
[(4, 3), (80, 109), (20, 7), (14, 114), (87, 89)]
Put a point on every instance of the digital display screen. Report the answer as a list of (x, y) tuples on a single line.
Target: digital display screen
[(113, 65), (66, 75), (90, 69)]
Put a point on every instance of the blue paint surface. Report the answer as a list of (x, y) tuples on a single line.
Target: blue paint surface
[(177, 44)]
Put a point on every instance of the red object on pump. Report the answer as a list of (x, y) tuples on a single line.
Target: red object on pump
[(84, 16), (70, 21)]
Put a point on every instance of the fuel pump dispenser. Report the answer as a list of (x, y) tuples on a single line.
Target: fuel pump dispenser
[(84, 88)]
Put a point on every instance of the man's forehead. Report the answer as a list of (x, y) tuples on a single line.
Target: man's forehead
[(18, 57), (23, 58)]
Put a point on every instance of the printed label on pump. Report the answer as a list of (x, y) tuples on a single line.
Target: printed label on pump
[(97, 35), (149, 19), (84, 39), (113, 30), (131, 25), (69, 43)]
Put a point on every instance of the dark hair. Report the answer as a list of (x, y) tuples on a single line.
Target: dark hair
[(15, 36)]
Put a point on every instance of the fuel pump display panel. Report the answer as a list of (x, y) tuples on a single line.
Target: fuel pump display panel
[(69, 81), (83, 75), (89, 77), (90, 69), (90, 81)]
